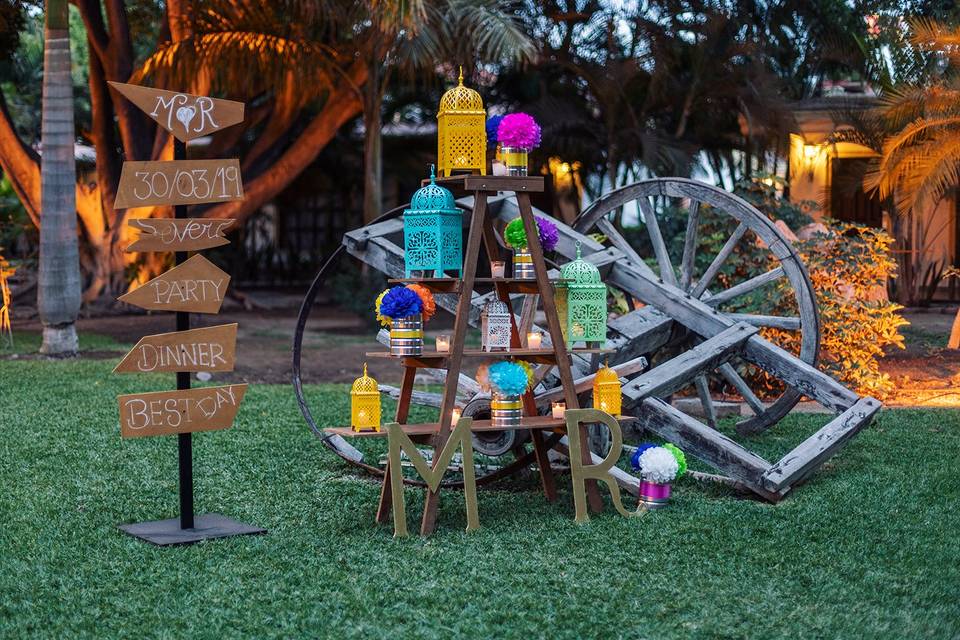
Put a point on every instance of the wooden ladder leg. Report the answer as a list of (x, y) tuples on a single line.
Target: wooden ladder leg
[(540, 450), (556, 336), (403, 410), (470, 257)]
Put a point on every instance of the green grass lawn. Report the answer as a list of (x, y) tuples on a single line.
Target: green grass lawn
[(868, 548)]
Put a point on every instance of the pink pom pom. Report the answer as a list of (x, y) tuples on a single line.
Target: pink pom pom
[(519, 130)]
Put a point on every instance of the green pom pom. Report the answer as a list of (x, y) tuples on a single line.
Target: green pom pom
[(515, 235), (681, 458)]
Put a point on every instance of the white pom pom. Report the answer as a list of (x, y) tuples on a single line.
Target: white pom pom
[(658, 465)]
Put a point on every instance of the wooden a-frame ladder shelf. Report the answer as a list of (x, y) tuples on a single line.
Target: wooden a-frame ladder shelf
[(481, 231)]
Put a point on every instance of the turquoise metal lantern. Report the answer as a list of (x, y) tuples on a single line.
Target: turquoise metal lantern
[(581, 299), (433, 231)]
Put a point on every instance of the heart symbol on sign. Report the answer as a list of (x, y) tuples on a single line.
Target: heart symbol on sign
[(185, 115)]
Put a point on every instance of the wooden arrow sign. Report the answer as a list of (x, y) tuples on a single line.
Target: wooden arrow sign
[(167, 412), (145, 184), (184, 115), (185, 234), (197, 285), (208, 349)]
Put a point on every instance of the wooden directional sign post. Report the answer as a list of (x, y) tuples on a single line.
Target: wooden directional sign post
[(193, 285)]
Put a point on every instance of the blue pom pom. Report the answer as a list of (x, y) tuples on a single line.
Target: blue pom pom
[(635, 458), (508, 378), (492, 123), (401, 302)]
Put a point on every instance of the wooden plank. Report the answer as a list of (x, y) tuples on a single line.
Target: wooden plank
[(471, 256), (790, 323), (176, 182), (196, 285), (184, 234), (799, 375), (706, 321), (690, 245), (185, 115), (700, 441), (585, 383), (730, 375), (815, 450), (745, 287), (433, 428), (168, 412), (206, 349), (680, 371), (656, 238), (718, 261), (638, 332)]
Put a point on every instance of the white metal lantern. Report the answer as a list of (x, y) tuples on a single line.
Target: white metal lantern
[(495, 325)]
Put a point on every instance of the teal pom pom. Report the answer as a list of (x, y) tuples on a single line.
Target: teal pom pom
[(508, 378), (679, 455)]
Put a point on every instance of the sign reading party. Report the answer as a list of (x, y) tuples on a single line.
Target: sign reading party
[(197, 285)]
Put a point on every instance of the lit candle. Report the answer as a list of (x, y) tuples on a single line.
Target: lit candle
[(534, 339), (455, 417), (558, 409), (443, 344), (496, 268)]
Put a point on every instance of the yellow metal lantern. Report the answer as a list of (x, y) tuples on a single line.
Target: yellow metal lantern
[(606, 391), (365, 403), (461, 131)]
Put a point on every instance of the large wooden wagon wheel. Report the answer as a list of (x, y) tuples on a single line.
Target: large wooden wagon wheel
[(749, 225)]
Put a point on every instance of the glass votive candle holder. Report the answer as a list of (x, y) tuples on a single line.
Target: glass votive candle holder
[(443, 344), (497, 268), (557, 409), (455, 416), (534, 340)]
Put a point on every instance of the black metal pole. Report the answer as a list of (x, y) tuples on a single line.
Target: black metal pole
[(184, 440)]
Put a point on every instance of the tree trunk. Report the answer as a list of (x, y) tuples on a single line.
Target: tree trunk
[(58, 290), (372, 146)]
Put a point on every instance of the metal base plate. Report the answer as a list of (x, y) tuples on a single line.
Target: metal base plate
[(168, 532)]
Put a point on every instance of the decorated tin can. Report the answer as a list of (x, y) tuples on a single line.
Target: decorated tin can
[(523, 264), (505, 411), (516, 160), (406, 336), (654, 495)]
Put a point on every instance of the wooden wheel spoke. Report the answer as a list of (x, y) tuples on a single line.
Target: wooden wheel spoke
[(689, 245), (606, 228), (745, 287), (656, 238), (790, 323), (730, 375), (703, 390), (717, 263)]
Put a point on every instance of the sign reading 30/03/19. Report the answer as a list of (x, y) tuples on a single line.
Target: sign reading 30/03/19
[(144, 184)]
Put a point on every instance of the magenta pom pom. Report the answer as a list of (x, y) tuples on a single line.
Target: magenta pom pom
[(519, 130)]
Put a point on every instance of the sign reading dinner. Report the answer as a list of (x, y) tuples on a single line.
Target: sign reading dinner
[(197, 285), (169, 412), (207, 349)]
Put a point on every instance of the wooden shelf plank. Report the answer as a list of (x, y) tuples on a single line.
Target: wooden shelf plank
[(430, 428), (491, 184), (437, 360), (453, 285)]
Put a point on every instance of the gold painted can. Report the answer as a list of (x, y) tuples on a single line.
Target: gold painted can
[(523, 265), (505, 411), (516, 160), (406, 336)]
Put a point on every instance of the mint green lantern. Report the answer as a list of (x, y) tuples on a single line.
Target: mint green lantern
[(433, 231), (581, 299)]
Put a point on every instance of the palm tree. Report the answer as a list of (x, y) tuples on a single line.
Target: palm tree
[(58, 290)]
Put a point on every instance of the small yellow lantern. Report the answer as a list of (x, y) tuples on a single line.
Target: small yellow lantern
[(606, 391), (461, 131), (365, 403)]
